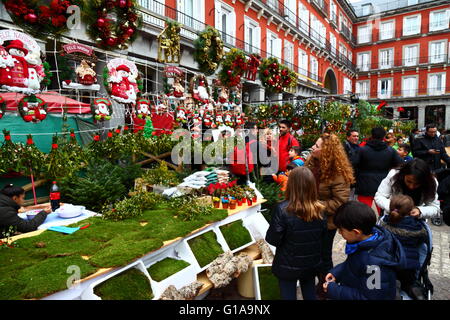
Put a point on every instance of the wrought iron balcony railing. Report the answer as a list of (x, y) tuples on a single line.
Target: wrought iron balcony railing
[(401, 63)]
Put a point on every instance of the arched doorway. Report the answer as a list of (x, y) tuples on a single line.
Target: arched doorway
[(331, 82)]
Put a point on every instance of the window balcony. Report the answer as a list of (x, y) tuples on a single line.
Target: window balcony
[(409, 94), (412, 62), (322, 7)]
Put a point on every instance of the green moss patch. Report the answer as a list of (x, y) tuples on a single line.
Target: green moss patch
[(268, 284), (50, 276), (165, 268), (235, 234), (205, 248), (129, 285)]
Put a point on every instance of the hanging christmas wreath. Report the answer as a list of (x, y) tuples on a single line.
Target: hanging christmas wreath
[(275, 76), (2, 107), (234, 66), (112, 23), (39, 18), (102, 109), (32, 109), (208, 50), (143, 108)]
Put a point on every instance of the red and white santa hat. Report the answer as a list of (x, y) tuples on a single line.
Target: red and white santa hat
[(123, 68), (17, 44)]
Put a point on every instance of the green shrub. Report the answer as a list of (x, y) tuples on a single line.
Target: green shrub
[(205, 248), (272, 193), (165, 268), (129, 285), (235, 234)]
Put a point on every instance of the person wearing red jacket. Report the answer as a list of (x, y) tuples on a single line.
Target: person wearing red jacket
[(285, 142)]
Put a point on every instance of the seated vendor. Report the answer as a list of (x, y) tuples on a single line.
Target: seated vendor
[(11, 199)]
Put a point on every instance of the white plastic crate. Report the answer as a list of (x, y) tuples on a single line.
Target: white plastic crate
[(219, 238), (88, 293), (180, 279)]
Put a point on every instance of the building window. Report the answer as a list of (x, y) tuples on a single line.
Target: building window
[(387, 30), (439, 20), (302, 62), (363, 62), (363, 89), (273, 45), (333, 44), (437, 51), (314, 68), (304, 19), (409, 86), (411, 25), (436, 84), (317, 30), (252, 36), (347, 85), (289, 54), (193, 11), (333, 12), (364, 34), (290, 11), (225, 22), (386, 57), (384, 88), (411, 55), (366, 9)]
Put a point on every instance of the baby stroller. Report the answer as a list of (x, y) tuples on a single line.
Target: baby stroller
[(425, 252)]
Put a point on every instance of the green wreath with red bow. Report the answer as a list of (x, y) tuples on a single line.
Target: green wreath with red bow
[(32, 109), (2, 107), (39, 18), (234, 67), (276, 77), (110, 33)]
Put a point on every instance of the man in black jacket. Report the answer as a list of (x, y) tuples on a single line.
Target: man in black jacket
[(431, 149), (351, 147), (375, 160), (11, 199)]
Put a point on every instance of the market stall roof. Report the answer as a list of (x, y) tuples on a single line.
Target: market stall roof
[(55, 102)]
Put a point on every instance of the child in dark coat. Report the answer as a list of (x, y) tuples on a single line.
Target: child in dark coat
[(373, 254), (411, 233), (297, 230)]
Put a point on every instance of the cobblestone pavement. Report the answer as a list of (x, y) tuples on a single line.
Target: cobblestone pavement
[(439, 270)]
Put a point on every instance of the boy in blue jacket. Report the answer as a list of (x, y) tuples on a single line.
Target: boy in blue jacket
[(373, 254)]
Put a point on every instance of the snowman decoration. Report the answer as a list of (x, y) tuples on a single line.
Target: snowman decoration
[(102, 109), (143, 108), (16, 73), (201, 93), (122, 79)]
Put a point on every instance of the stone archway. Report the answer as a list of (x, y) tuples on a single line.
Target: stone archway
[(330, 82)]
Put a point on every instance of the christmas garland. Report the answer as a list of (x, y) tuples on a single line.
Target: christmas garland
[(275, 76), (39, 19), (32, 109), (2, 107), (208, 50), (110, 34), (234, 66)]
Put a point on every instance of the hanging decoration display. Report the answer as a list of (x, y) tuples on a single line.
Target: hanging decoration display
[(112, 24), (2, 107), (102, 109), (32, 109), (234, 66), (208, 50), (143, 108), (41, 18), (253, 63), (21, 68), (169, 43), (122, 80), (276, 77)]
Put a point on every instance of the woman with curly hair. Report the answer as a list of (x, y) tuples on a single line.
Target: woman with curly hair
[(334, 175)]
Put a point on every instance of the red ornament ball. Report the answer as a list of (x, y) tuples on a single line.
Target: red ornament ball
[(122, 3), (31, 18), (130, 31), (101, 22), (266, 72), (111, 41)]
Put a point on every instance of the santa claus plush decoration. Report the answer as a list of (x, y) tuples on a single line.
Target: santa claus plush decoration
[(123, 86), (229, 119), (32, 109), (219, 118), (181, 115), (86, 75), (143, 108), (102, 109)]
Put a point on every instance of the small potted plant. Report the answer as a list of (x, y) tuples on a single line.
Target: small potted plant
[(216, 202), (225, 202), (233, 203)]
